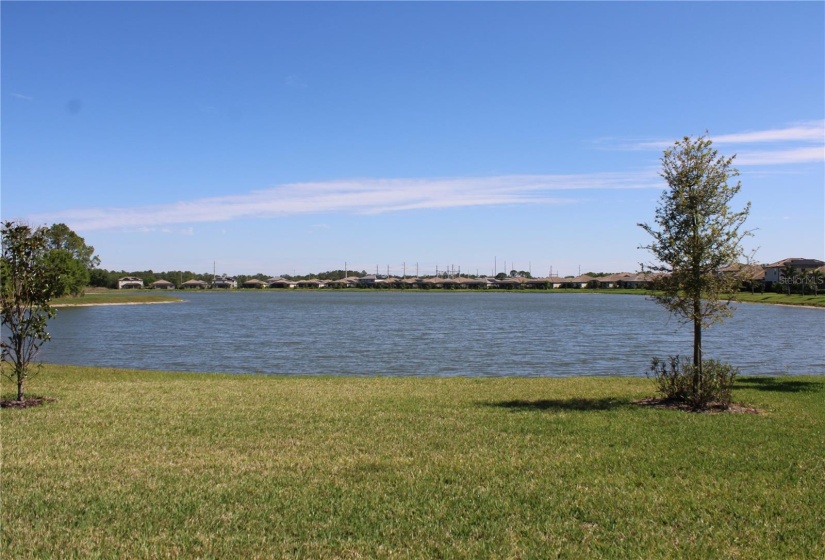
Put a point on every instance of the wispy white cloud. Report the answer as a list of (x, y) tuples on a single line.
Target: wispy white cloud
[(187, 231), (364, 196), (788, 145), (813, 154), (21, 96), (813, 131)]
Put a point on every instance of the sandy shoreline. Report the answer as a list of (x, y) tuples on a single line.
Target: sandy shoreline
[(63, 305), (116, 303)]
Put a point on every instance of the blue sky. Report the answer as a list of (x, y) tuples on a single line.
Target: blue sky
[(297, 137)]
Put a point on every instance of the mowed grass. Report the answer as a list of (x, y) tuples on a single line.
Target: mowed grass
[(783, 299), (133, 464)]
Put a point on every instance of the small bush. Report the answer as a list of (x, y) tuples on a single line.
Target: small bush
[(674, 380)]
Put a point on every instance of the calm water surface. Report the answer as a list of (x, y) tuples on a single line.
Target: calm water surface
[(434, 334)]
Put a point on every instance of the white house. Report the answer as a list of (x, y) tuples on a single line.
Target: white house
[(128, 282), (224, 282)]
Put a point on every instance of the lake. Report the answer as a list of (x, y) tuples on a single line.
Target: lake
[(425, 333)]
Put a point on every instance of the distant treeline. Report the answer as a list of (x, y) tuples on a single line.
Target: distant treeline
[(101, 278)]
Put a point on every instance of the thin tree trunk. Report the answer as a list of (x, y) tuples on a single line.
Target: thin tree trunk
[(697, 349), (20, 378)]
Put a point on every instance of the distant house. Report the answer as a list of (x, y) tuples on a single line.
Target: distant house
[(369, 280), (129, 282), (311, 283), (434, 282), (544, 283), (280, 283), (194, 285), (476, 283), (555, 281), (609, 281), (750, 275), (774, 272), (511, 283), (254, 283), (342, 283), (576, 282), (618, 280), (410, 282), (162, 285), (464, 283), (224, 282), (639, 280), (451, 283)]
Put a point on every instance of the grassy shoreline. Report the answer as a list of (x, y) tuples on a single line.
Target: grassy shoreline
[(114, 297), (154, 464), (117, 297)]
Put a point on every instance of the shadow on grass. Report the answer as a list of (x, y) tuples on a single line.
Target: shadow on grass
[(780, 384), (561, 404)]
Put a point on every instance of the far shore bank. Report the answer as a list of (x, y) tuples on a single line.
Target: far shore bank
[(103, 304), (115, 297)]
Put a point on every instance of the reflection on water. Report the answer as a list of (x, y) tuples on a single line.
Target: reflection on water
[(446, 334)]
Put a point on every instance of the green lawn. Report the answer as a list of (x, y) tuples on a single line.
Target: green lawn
[(793, 299), (135, 464)]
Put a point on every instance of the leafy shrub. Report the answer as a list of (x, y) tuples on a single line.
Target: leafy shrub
[(674, 379)]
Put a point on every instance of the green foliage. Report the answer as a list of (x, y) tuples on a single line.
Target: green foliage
[(787, 276), (71, 258), (29, 282), (698, 233), (675, 378), (99, 278), (817, 280)]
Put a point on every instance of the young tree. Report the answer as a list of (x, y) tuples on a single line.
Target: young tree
[(787, 276), (751, 273), (816, 280), (804, 278), (27, 285), (697, 235)]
